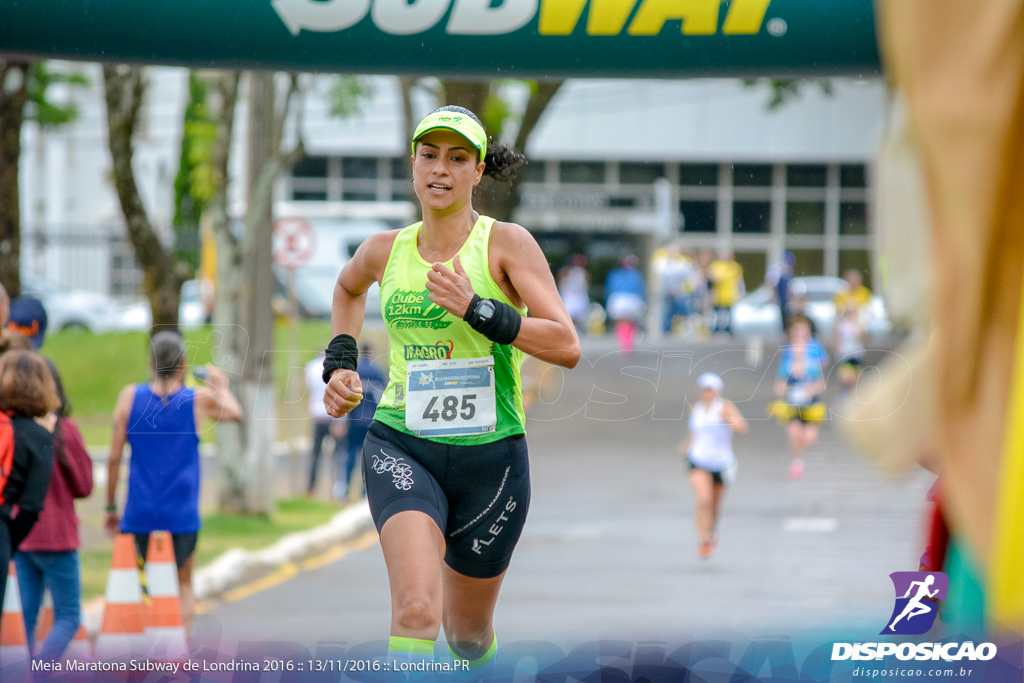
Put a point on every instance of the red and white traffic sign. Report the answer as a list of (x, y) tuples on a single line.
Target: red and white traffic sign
[(294, 242)]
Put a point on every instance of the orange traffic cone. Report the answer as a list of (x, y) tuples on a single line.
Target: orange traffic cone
[(79, 648), (165, 631), (13, 641), (44, 623), (121, 633)]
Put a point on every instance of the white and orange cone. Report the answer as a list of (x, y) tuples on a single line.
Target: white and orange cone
[(122, 634), (79, 649), (165, 630), (14, 654)]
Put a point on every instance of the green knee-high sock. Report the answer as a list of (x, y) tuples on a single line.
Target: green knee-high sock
[(481, 661), (409, 659), (417, 649)]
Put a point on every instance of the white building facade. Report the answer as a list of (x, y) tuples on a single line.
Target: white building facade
[(731, 173)]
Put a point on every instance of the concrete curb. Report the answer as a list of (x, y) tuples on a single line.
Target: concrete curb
[(233, 566)]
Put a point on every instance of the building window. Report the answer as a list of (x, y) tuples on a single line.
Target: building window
[(808, 261), (751, 175), (355, 195), (751, 217), (852, 175), (755, 264), (853, 218), (310, 167), (581, 172), (359, 167), (402, 193), (697, 175), (533, 172), (806, 175), (805, 218), (640, 173), (309, 195), (699, 216), (398, 168)]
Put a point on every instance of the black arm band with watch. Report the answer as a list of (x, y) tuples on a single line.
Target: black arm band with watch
[(497, 321), (342, 352)]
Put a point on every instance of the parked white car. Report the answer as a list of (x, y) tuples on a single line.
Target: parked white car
[(191, 310), (72, 309), (757, 315)]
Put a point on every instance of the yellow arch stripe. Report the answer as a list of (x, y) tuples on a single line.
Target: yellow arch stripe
[(1006, 589)]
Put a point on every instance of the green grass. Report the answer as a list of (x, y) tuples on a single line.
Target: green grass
[(95, 367), (219, 533)]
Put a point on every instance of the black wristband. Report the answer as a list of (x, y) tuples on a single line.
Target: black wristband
[(501, 328), (471, 310), (342, 352)]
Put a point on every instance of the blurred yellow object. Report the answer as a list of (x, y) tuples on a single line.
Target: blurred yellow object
[(784, 412)]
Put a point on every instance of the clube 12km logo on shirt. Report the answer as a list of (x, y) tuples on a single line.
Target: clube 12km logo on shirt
[(916, 606)]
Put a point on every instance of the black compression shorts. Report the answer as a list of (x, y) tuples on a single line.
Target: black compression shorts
[(184, 546), (477, 495), (716, 475)]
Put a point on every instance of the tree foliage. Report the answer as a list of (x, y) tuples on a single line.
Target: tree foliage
[(39, 108), (782, 92), (347, 94)]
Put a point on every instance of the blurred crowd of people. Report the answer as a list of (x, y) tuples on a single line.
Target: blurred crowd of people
[(44, 466), (690, 295)]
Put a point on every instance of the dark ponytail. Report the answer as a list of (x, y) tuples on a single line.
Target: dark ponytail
[(502, 161)]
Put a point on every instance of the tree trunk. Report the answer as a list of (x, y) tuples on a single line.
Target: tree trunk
[(125, 87), (13, 94), (230, 352), (245, 287), (499, 199), (469, 94)]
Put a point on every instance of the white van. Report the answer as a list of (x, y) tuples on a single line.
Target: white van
[(336, 240)]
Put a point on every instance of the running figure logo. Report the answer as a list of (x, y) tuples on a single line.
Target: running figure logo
[(916, 601)]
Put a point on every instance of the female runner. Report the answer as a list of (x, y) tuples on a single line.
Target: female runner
[(445, 460), (708, 448), (800, 382)]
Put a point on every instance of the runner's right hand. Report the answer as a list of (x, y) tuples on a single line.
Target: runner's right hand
[(344, 392)]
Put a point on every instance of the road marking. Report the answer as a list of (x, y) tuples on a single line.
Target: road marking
[(334, 554), (289, 571), (269, 581), (818, 525)]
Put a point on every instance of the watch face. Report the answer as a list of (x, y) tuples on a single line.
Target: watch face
[(485, 309)]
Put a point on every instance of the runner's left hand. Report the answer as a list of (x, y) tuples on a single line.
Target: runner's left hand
[(450, 289)]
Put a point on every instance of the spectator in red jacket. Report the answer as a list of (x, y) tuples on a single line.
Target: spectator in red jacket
[(48, 557)]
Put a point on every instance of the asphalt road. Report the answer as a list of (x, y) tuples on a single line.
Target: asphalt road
[(609, 550)]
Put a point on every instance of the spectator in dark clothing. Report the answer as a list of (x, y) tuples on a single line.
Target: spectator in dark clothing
[(358, 421), (27, 392), (48, 557)]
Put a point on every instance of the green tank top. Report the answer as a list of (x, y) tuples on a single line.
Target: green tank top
[(420, 330)]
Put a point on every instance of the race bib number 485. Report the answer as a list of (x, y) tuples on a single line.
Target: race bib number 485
[(450, 397)]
